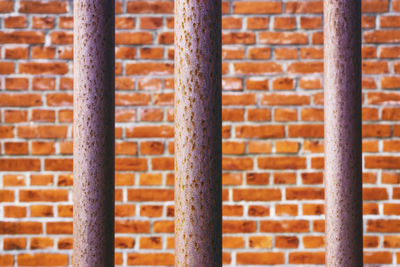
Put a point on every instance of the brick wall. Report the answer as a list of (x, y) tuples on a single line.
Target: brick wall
[(273, 132)]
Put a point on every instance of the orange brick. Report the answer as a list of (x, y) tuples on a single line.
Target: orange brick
[(41, 243), (284, 226), (150, 243), (14, 212), (257, 194), (260, 242), (281, 162), (14, 243), (232, 242), (163, 259), (20, 228), (307, 257), (286, 242), (238, 226), (42, 259), (260, 258)]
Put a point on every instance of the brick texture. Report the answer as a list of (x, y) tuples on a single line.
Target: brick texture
[(272, 132)]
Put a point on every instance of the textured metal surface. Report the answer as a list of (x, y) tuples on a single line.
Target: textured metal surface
[(198, 218), (93, 192), (343, 159)]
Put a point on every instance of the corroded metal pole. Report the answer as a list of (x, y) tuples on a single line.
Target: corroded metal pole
[(93, 192), (198, 218), (343, 158)]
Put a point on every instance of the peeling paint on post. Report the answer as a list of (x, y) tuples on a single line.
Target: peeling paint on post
[(343, 158), (198, 193), (93, 193)]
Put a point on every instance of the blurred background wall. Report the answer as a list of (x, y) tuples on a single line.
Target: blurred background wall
[(272, 132)]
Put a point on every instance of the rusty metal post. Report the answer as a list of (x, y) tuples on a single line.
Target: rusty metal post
[(198, 216), (343, 154), (93, 192)]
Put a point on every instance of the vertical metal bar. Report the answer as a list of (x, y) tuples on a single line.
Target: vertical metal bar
[(343, 155), (198, 216), (93, 192)]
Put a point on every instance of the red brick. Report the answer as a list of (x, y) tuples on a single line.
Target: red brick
[(382, 162), (306, 131), (150, 131), (19, 164), (257, 68), (22, 37), (237, 163), (383, 226), (285, 114), (149, 68), (43, 68), (382, 36), (310, 22), (304, 7), (42, 115), (261, 131), (238, 38), (131, 99), (232, 114), (233, 53), (55, 7), (286, 53), (257, 194), (233, 148), (16, 148), (231, 23), (284, 23), (281, 163), (257, 7), (6, 67), (283, 84), (374, 6), (238, 99), (43, 22), (16, 52), (257, 23), (6, 132), (15, 22), (42, 131), (285, 99), (158, 7), (6, 6), (133, 38), (283, 38)]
